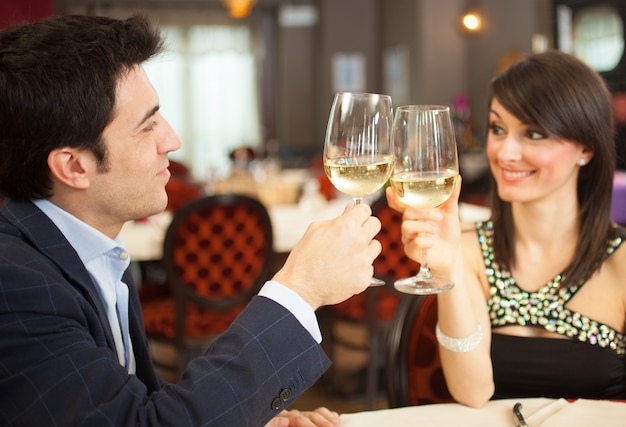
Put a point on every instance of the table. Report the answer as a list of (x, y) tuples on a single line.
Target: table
[(289, 222), (144, 239), (538, 412)]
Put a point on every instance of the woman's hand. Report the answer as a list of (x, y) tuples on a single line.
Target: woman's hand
[(321, 417), (438, 230)]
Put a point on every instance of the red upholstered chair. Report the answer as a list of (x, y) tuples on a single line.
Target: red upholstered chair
[(375, 307), (413, 370), (180, 192), (181, 188), (180, 170), (216, 255)]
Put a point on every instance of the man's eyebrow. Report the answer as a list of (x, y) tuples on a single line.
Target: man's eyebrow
[(149, 114)]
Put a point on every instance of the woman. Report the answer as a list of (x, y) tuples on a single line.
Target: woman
[(539, 306)]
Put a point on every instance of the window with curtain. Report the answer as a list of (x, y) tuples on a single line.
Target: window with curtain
[(594, 33), (599, 37), (206, 80)]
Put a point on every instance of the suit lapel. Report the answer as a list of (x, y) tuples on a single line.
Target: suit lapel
[(43, 234), (145, 371)]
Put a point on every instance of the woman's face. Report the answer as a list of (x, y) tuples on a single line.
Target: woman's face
[(527, 163)]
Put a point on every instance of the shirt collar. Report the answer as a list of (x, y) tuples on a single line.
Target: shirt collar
[(88, 242)]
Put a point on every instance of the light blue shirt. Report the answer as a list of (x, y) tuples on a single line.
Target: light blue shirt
[(105, 260)]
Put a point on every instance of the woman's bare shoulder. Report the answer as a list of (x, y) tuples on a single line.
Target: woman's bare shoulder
[(613, 272)]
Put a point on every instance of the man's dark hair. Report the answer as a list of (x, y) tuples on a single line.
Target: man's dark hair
[(58, 79)]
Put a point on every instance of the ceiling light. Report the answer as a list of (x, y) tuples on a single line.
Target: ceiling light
[(239, 8)]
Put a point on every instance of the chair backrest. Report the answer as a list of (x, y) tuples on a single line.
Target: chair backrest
[(180, 192), (180, 170), (217, 252), (414, 374)]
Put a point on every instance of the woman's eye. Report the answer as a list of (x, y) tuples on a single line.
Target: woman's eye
[(496, 129), (534, 135)]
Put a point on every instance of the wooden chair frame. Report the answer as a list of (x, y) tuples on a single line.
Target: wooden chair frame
[(413, 369)]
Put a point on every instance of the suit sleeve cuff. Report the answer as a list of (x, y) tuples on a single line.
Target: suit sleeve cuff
[(295, 304)]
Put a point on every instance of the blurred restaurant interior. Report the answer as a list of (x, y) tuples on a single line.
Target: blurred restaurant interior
[(250, 97)]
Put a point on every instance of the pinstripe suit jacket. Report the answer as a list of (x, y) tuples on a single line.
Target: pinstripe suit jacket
[(58, 364)]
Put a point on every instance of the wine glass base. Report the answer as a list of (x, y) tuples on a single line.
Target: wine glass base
[(374, 281), (416, 286)]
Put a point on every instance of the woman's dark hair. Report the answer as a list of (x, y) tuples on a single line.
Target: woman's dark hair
[(58, 79), (563, 96)]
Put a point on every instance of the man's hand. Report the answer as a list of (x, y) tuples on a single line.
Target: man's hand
[(333, 260)]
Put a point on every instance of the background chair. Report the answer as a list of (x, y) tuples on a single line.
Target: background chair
[(372, 310), (181, 188), (413, 370), (217, 254)]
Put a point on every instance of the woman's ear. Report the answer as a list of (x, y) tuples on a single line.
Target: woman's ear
[(71, 167), (586, 156)]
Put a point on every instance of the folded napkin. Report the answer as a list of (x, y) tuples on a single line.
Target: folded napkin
[(582, 413), (535, 419), (494, 413), (538, 412)]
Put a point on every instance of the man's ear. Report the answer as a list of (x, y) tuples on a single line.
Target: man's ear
[(72, 167)]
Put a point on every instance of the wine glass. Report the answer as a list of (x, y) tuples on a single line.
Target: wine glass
[(357, 149), (425, 171)]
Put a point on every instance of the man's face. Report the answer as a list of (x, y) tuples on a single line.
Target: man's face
[(137, 141)]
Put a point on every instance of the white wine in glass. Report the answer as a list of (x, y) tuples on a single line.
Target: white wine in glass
[(425, 172), (357, 149)]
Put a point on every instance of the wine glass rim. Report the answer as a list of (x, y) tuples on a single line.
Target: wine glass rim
[(424, 107), (361, 94)]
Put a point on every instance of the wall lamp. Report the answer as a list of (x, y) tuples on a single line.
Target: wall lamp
[(472, 21)]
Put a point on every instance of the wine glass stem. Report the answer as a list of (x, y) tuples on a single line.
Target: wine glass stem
[(375, 281), (424, 270)]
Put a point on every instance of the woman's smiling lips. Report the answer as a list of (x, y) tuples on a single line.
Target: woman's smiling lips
[(511, 175)]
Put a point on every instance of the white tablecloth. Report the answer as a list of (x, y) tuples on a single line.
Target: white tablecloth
[(144, 239), (538, 412)]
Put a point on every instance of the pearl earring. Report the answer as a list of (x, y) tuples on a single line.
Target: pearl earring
[(581, 162)]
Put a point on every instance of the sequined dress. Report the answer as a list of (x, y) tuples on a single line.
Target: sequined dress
[(590, 364)]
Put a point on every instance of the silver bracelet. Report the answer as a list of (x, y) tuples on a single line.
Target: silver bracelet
[(460, 345)]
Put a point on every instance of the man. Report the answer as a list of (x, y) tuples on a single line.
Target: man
[(84, 149)]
